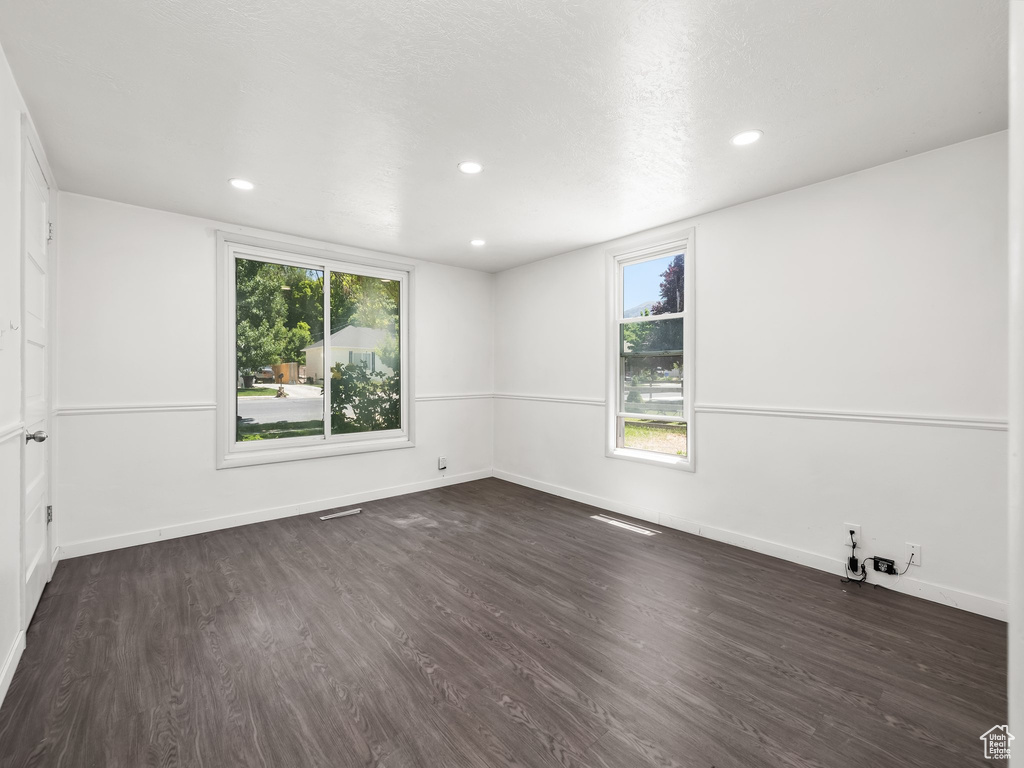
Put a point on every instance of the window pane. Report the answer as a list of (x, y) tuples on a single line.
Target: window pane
[(651, 337), (279, 313), (652, 385), (656, 436), (653, 287), (365, 356)]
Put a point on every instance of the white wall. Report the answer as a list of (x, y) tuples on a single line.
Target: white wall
[(11, 638), (136, 388), (882, 292)]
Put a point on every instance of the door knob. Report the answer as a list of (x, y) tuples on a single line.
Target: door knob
[(39, 436)]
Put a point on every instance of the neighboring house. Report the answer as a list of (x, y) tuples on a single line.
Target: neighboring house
[(353, 344)]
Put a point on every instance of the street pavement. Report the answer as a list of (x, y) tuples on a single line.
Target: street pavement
[(265, 410)]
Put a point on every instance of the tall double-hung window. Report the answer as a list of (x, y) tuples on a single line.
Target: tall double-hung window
[(314, 353), (650, 412)]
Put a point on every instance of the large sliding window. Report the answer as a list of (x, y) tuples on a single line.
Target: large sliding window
[(314, 353), (650, 412)]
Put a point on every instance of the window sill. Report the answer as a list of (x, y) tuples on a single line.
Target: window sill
[(648, 457), (275, 455)]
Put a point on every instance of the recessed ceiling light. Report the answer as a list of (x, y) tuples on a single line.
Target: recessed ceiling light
[(470, 166), (747, 137), (242, 184), (478, 242)]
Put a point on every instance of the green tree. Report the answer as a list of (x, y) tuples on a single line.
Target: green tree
[(376, 302), (673, 281), (344, 299), (305, 299), (637, 337), (257, 346), (279, 311), (296, 339), (260, 313)]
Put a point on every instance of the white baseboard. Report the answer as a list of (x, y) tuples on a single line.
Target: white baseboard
[(936, 593), (11, 664), (105, 544)]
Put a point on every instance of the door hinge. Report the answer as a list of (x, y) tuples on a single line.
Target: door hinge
[(49, 232), (49, 513)]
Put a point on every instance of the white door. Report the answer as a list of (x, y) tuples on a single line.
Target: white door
[(35, 402)]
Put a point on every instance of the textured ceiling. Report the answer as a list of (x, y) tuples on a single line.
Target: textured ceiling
[(593, 118)]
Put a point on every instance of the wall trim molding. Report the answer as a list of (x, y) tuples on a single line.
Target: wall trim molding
[(11, 430), (936, 593), (11, 663), (470, 396), (917, 420), (108, 543), (95, 410), (550, 399), (87, 410)]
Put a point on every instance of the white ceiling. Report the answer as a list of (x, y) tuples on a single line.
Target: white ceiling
[(593, 118)]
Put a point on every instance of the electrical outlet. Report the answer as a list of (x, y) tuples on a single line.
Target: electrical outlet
[(847, 527), (913, 553), (442, 463)]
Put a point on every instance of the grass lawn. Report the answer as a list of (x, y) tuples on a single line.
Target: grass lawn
[(652, 436), (278, 429), (257, 392)]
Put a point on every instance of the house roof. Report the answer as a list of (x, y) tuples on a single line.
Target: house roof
[(354, 337)]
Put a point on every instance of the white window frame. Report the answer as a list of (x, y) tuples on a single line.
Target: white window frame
[(682, 242), (230, 452)]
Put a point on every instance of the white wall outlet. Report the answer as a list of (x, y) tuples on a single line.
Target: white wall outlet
[(915, 551), (442, 463), (847, 527)]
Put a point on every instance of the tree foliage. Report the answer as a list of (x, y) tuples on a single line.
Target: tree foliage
[(671, 289), (305, 299), (260, 313), (364, 401), (662, 339), (297, 339), (279, 311)]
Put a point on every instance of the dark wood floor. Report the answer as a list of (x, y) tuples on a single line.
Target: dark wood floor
[(489, 625)]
